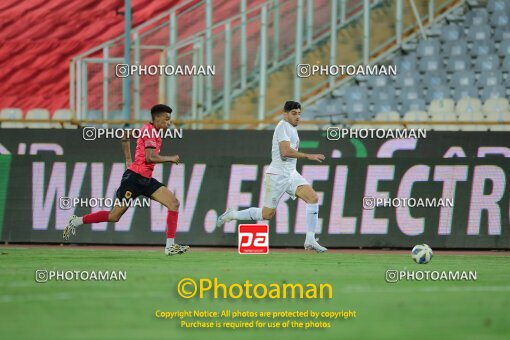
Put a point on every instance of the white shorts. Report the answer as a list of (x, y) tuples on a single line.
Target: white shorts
[(276, 185)]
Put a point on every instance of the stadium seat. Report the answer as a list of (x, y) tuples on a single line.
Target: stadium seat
[(489, 78), (506, 65), (406, 63), (433, 79), (488, 63), (379, 81), (496, 105), (443, 110), (463, 78), (390, 116), (499, 19), (408, 79), (38, 114), (63, 114), (504, 48), (498, 117), (498, 6), (11, 113), (428, 48), (357, 109), (479, 33), (430, 64), (410, 93), (478, 16), (472, 117), (493, 92), (414, 105), (382, 94), (501, 33), (417, 116), (468, 105), (355, 93), (451, 32), (458, 64), (384, 106), (481, 49), (455, 49), (330, 106), (438, 92), (469, 91)]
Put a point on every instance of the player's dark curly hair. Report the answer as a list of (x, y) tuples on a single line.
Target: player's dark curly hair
[(160, 108), (291, 105)]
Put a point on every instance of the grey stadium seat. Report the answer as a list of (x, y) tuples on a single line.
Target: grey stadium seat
[(463, 78), (495, 6), (489, 78), (488, 63), (411, 94), (506, 65), (451, 32), (500, 19), (493, 92), (480, 32), (414, 105), (455, 49), (504, 48), (384, 106), (382, 94), (432, 79), (357, 109), (406, 63), (461, 92), (458, 64), (430, 64), (481, 49), (329, 106), (438, 93), (407, 79), (478, 16), (428, 48), (356, 93), (379, 81), (501, 33)]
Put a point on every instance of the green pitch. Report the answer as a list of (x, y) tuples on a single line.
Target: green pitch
[(126, 309)]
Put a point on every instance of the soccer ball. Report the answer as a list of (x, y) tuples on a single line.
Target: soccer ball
[(422, 253)]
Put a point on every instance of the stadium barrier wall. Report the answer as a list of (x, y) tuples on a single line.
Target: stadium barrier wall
[(224, 169)]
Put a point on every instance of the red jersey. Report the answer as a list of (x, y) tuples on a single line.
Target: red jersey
[(148, 140)]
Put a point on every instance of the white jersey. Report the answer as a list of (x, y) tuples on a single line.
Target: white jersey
[(281, 165)]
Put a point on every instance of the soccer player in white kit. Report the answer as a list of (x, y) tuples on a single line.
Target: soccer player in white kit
[(282, 177)]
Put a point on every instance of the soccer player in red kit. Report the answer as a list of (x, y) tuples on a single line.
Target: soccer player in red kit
[(137, 180)]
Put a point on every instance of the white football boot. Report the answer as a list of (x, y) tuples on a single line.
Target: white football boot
[(314, 245), (227, 216), (70, 229)]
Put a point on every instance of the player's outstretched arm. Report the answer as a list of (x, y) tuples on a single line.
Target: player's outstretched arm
[(152, 157), (127, 150), (288, 152)]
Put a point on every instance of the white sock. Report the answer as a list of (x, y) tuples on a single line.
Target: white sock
[(312, 219), (254, 214), (169, 242)]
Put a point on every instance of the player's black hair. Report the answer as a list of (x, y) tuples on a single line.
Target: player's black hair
[(291, 105), (160, 108)]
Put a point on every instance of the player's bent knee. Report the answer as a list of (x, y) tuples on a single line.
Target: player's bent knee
[(268, 215), (314, 199), (113, 218), (174, 204)]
